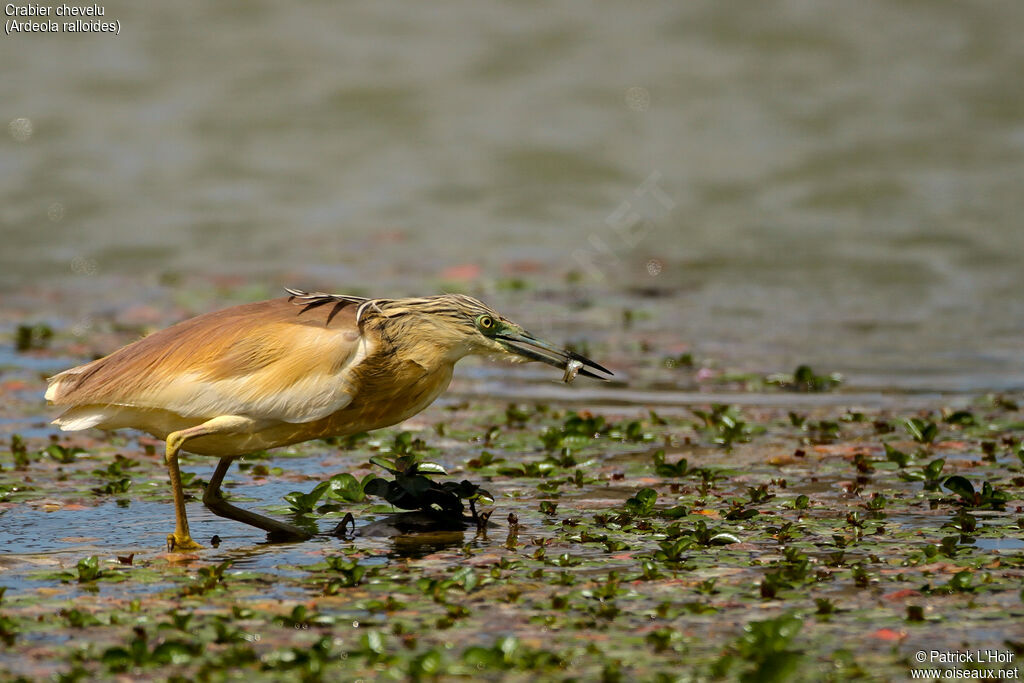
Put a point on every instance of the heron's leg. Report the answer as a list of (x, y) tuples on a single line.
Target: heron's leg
[(181, 539), (216, 503)]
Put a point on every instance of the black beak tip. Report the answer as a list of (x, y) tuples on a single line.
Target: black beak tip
[(589, 363), (588, 373)]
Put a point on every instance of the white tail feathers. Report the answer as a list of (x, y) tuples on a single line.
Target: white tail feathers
[(56, 383), (53, 389), (78, 419)]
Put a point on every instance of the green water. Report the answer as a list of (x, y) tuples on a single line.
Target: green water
[(830, 182)]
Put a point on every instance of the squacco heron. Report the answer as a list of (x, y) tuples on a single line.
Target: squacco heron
[(278, 372)]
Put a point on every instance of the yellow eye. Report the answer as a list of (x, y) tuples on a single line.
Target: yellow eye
[(486, 322)]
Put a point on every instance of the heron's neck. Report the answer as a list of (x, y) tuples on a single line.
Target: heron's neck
[(432, 348)]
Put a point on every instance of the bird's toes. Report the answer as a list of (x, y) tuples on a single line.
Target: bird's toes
[(181, 544)]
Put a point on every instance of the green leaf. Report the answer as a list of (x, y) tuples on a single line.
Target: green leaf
[(304, 502), (466, 577), (482, 496), (723, 539), (921, 431), (960, 582), (415, 486), (347, 488), (507, 645), (643, 502), (373, 642), (898, 457), (376, 487), (385, 463), (960, 486), (116, 658), (88, 569), (428, 663), (960, 417), (172, 652), (675, 512)]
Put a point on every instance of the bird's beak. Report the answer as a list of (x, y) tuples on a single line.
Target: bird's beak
[(527, 346)]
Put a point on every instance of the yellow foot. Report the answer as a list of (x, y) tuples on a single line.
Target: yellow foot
[(181, 545)]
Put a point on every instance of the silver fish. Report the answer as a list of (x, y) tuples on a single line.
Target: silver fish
[(571, 369)]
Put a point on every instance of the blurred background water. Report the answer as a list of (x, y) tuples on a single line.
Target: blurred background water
[(778, 182)]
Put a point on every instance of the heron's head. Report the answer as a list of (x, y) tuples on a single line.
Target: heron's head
[(467, 326)]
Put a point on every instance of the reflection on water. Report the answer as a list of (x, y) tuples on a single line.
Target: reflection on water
[(30, 529), (844, 180), (418, 545), (999, 544)]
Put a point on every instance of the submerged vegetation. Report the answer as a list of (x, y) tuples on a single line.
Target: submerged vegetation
[(810, 541), (721, 543)]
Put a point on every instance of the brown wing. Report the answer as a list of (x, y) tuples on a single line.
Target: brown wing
[(272, 359)]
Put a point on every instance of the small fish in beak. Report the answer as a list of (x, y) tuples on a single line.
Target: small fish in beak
[(572, 368), (526, 345)]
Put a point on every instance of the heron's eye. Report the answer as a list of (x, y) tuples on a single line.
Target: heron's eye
[(485, 322)]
